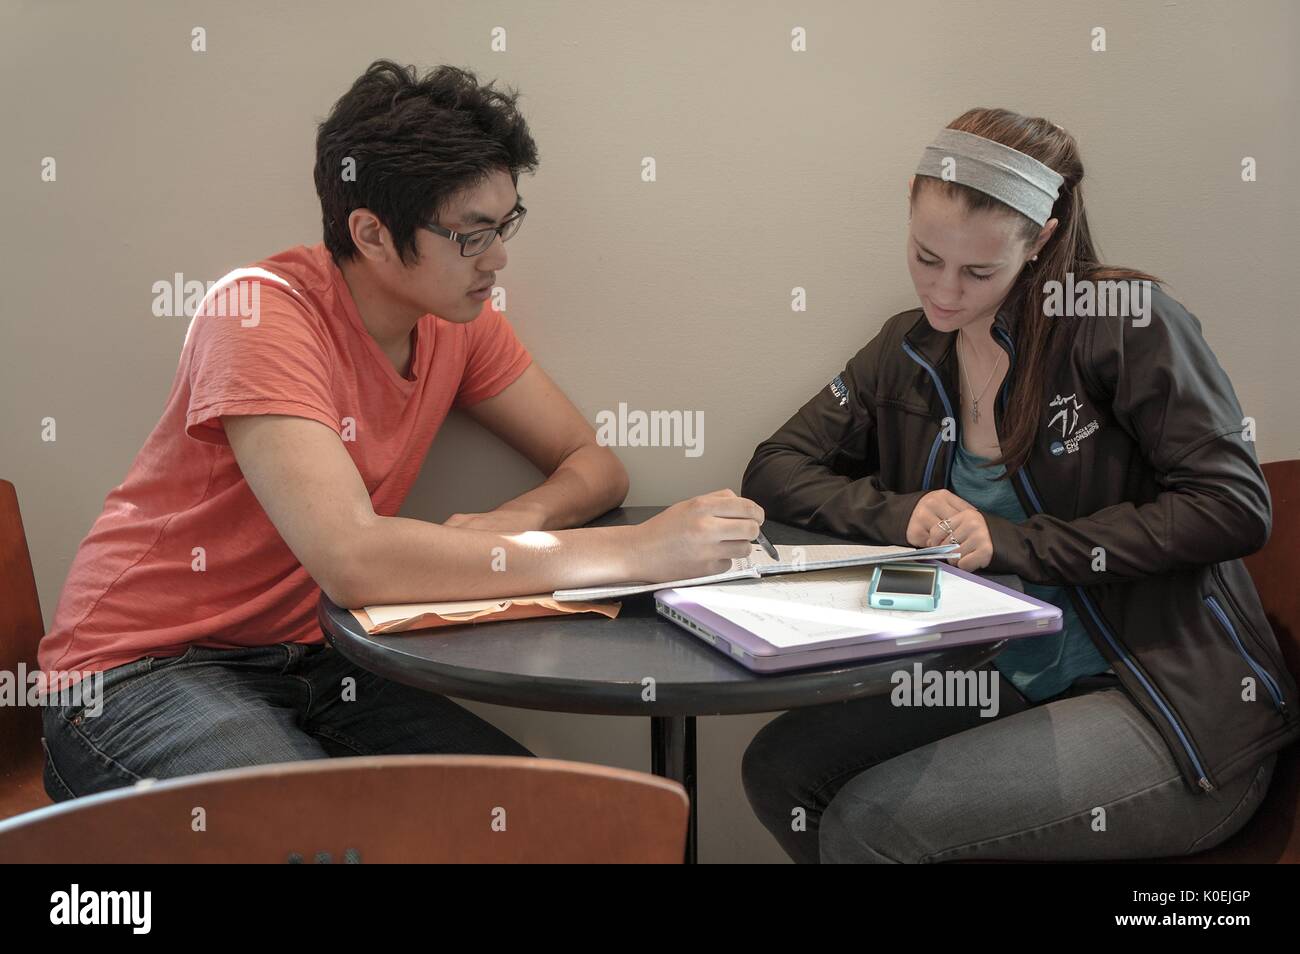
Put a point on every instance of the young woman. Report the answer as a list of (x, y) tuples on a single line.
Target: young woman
[(1106, 462)]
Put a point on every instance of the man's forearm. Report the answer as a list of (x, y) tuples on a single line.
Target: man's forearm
[(588, 483), (401, 560)]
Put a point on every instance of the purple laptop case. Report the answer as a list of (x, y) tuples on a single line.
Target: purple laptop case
[(758, 654)]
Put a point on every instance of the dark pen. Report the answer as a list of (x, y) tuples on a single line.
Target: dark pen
[(766, 544)]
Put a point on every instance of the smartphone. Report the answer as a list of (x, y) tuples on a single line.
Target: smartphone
[(904, 586)]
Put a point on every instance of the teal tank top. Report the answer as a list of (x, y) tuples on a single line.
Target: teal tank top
[(1038, 666)]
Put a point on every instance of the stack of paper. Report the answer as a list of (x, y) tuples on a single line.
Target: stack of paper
[(832, 605)]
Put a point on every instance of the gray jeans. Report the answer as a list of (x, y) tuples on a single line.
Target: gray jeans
[(1081, 776), (212, 709)]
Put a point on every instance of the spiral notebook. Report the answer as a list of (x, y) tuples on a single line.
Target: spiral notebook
[(793, 559)]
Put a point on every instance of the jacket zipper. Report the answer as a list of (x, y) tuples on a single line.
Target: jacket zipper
[(1202, 779), (947, 406), (1230, 600), (929, 464), (1273, 690)]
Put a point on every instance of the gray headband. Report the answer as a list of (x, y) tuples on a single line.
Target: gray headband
[(1007, 174)]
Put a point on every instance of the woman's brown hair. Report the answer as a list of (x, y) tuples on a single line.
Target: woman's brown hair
[(1070, 249)]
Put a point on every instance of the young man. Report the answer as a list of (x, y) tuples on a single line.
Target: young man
[(297, 422)]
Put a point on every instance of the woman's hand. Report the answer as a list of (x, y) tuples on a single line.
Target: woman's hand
[(967, 526), (929, 510), (971, 531)]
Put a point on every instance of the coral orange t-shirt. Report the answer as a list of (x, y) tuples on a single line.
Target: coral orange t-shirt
[(183, 553)]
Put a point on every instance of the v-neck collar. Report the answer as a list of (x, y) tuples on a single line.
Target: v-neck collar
[(344, 295)]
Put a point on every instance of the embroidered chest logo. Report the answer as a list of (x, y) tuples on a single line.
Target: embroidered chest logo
[(1069, 412), (839, 390), (1067, 420)]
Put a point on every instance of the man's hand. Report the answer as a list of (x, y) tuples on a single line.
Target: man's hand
[(696, 537)]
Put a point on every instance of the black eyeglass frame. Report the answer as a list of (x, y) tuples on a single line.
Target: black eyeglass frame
[(463, 238)]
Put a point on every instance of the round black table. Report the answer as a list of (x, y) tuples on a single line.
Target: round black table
[(637, 664)]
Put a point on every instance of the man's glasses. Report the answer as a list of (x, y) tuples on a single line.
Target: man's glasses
[(480, 240)]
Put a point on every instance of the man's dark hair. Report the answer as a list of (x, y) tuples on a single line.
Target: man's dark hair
[(416, 142)]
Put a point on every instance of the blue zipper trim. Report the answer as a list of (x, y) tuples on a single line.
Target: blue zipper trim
[(929, 464), (947, 406), (1273, 689), (1086, 600)]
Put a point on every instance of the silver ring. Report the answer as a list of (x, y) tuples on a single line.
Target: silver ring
[(952, 539), (945, 526)]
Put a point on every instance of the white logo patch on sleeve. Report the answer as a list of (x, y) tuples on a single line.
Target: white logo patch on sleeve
[(839, 390)]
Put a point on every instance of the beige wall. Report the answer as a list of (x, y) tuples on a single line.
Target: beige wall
[(775, 169)]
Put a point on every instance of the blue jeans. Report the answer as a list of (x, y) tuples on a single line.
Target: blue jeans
[(211, 709), (1081, 776)]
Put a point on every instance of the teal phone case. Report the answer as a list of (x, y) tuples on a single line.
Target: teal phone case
[(902, 601)]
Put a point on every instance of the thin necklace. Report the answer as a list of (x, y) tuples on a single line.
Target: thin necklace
[(975, 399)]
